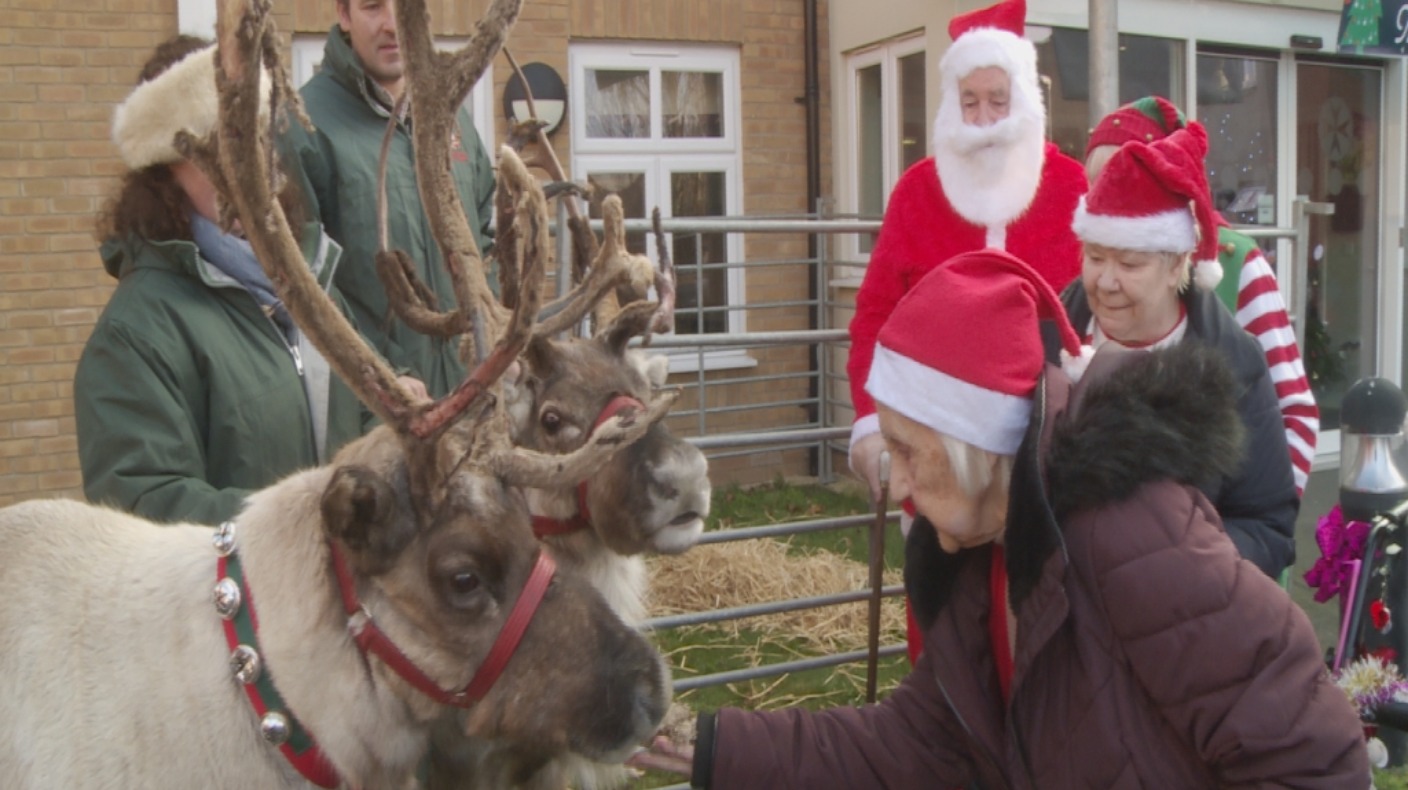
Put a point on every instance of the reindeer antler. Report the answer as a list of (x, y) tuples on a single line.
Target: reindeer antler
[(247, 38)]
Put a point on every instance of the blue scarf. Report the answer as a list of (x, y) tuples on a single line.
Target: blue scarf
[(234, 256)]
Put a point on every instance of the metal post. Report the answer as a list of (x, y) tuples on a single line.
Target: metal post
[(823, 350), (877, 577), (564, 248), (1104, 50), (1302, 208)]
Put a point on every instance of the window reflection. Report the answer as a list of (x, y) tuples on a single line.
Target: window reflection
[(1149, 66), (699, 195), (693, 103), (618, 103), (1237, 105)]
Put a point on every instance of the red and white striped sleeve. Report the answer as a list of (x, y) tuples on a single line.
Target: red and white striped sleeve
[(1262, 312)]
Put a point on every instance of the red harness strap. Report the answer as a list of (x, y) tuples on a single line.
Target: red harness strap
[(372, 640), (543, 526)]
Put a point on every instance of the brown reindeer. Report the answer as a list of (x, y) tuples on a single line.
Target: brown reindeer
[(397, 583)]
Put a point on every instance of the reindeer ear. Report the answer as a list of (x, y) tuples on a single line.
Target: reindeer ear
[(360, 511), (634, 319), (539, 357)]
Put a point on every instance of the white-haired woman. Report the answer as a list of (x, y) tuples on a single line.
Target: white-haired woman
[(1148, 229), (1087, 622)]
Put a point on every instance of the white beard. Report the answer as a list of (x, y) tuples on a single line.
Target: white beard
[(989, 174)]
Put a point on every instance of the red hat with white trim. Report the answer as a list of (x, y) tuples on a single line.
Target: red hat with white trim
[(991, 36), (1148, 119), (962, 351), (1154, 197)]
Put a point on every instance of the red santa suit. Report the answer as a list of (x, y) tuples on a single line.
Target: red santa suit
[(921, 230), (990, 183)]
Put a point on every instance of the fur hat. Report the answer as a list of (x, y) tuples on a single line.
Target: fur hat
[(1154, 197), (962, 352), (1146, 120), (144, 126)]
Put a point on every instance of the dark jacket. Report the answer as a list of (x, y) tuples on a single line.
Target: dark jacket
[(187, 396), (1148, 654), (1258, 502), (337, 168)]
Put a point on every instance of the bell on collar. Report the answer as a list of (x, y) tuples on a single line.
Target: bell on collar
[(1372, 476)]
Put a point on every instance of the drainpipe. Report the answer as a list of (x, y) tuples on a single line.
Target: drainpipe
[(1104, 48), (812, 102)]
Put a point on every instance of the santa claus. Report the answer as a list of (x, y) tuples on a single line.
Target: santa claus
[(993, 181)]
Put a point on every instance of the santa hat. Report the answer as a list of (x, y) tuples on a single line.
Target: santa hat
[(183, 97), (992, 37), (1146, 120), (1154, 197), (962, 351)]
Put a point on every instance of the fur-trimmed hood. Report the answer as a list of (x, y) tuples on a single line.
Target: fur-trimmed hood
[(1135, 418)]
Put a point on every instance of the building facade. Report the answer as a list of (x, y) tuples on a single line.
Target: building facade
[(1288, 116), (697, 107)]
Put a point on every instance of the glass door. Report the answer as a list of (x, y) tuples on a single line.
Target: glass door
[(1339, 121)]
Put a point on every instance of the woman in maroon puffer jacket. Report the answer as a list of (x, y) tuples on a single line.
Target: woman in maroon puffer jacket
[(1088, 622)]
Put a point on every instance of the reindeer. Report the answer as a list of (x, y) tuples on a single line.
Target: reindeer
[(398, 582)]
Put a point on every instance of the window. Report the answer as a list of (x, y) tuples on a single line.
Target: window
[(658, 126), (1148, 66), (1237, 103), (890, 132), (308, 56)]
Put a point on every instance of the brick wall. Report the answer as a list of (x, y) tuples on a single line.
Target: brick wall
[(64, 66)]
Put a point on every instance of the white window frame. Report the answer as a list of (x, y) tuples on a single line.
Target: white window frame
[(658, 157), (308, 54), (887, 55)]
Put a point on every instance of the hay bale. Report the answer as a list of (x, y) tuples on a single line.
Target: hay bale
[(759, 571)]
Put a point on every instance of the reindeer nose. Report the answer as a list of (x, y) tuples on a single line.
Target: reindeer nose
[(652, 697), (683, 518)]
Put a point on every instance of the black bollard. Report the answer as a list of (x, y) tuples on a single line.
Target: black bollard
[(1372, 482)]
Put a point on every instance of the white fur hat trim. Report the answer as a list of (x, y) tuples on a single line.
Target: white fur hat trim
[(145, 125)]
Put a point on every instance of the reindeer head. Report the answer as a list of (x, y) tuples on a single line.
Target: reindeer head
[(653, 496), (445, 588)]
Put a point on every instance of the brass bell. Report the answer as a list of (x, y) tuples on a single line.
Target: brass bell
[(224, 539), (274, 727), (227, 598), (246, 664)]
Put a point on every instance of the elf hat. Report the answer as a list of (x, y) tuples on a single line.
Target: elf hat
[(962, 351), (1146, 120), (1154, 197), (183, 97), (992, 37)]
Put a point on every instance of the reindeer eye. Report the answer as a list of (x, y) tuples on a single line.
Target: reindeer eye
[(464, 583), (552, 421)]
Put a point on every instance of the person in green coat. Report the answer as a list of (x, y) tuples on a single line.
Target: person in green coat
[(195, 388), (350, 101)]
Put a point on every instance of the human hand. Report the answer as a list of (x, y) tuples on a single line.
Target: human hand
[(415, 385), (865, 462), (664, 755)]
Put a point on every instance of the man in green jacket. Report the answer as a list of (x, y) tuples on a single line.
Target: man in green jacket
[(195, 388), (350, 101)]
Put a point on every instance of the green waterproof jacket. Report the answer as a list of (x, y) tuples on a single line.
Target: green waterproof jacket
[(188, 396), (337, 167)]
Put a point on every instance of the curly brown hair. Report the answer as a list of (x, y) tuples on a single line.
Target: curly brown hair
[(149, 202)]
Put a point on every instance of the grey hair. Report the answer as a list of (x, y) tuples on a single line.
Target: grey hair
[(1184, 260), (974, 468)]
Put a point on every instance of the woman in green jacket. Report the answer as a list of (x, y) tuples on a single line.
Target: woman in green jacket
[(195, 387)]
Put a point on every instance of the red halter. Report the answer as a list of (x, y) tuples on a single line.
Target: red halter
[(373, 640), (544, 526)]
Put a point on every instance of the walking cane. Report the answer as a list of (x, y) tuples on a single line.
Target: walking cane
[(877, 575)]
